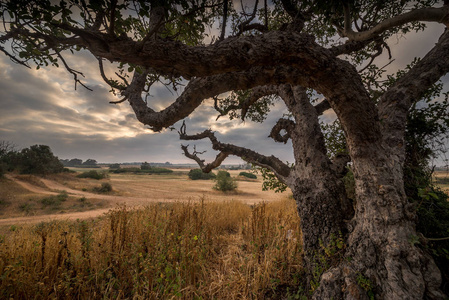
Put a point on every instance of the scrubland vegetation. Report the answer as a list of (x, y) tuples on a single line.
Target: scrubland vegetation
[(202, 250)]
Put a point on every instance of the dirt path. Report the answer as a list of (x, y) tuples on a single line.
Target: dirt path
[(48, 218), (111, 200), (30, 187)]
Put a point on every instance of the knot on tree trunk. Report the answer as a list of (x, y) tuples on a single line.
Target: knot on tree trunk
[(282, 124)]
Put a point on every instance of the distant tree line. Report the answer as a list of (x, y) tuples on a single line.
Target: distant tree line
[(37, 159), (76, 162)]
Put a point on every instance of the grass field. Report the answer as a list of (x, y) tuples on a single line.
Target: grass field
[(169, 237), (441, 179), (185, 241), (25, 195)]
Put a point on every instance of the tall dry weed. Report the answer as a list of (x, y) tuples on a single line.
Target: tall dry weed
[(189, 250)]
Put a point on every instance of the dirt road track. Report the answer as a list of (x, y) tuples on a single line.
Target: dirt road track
[(48, 218), (52, 186)]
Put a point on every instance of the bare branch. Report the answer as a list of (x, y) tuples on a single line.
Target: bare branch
[(75, 73), (225, 16), (112, 21), (111, 83), (270, 162), (349, 47), (282, 124), (13, 58), (266, 13), (243, 26), (119, 101), (206, 168), (429, 14)]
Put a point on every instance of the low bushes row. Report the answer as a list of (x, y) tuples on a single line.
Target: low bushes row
[(152, 170), (93, 174)]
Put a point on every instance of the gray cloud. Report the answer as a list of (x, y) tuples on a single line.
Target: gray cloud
[(42, 107)]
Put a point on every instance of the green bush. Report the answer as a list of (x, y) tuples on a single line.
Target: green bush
[(104, 188), (224, 182), (114, 166), (92, 174), (145, 166), (248, 175), (54, 200), (198, 174)]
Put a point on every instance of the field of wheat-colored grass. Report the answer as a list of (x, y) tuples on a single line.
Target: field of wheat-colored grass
[(27, 195), (183, 250)]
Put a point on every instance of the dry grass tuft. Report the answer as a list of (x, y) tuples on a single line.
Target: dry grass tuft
[(201, 250)]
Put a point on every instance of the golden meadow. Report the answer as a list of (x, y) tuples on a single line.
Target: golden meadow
[(182, 250)]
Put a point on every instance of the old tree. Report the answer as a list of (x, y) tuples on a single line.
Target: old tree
[(286, 50)]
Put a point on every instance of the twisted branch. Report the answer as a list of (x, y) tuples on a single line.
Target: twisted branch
[(273, 163), (429, 14)]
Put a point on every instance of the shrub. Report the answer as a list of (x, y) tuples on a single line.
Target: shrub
[(248, 175), (151, 170), (114, 166), (26, 207), (127, 170), (104, 188), (92, 174), (224, 182), (197, 174), (145, 166), (54, 200)]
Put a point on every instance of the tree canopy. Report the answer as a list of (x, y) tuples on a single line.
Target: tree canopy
[(311, 55)]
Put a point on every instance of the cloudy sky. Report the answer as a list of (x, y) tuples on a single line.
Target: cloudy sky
[(43, 107)]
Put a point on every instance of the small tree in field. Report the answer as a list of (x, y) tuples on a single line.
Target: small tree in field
[(224, 182)]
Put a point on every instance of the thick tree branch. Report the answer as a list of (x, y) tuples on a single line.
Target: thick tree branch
[(206, 168), (397, 100), (270, 162), (322, 107), (429, 14), (199, 89)]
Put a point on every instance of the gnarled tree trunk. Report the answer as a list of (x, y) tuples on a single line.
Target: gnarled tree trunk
[(382, 259)]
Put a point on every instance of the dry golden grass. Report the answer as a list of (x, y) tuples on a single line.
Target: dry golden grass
[(441, 179), (178, 186), (186, 250)]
